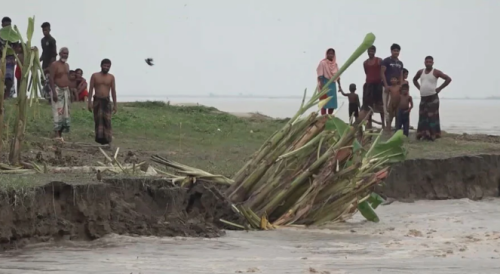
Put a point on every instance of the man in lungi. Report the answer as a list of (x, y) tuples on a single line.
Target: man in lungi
[(104, 84), (372, 89), (61, 97)]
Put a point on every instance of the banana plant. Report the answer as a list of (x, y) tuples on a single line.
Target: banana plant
[(30, 69)]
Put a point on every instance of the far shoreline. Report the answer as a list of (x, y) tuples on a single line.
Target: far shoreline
[(168, 97)]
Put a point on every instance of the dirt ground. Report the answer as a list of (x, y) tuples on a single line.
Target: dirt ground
[(72, 154)]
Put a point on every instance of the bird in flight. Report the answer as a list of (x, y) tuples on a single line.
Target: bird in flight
[(149, 61)]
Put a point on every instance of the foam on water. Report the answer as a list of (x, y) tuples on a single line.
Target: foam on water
[(454, 236)]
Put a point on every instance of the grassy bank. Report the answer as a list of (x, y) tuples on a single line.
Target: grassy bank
[(197, 136)]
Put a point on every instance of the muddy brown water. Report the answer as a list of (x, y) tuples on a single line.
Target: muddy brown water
[(453, 236)]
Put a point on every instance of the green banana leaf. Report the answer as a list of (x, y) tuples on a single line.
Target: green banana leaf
[(9, 34), (375, 200), (392, 150), (31, 28), (367, 211), (337, 125)]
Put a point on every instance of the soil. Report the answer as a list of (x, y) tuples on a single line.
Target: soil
[(75, 154), (473, 177), (130, 206)]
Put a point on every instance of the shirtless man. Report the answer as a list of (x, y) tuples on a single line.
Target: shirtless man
[(104, 83), (61, 96)]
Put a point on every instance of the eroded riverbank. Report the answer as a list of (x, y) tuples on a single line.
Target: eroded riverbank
[(154, 207), (144, 207), (473, 177)]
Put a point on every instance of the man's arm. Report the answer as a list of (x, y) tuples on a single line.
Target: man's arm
[(91, 89), (383, 68), (364, 65), (113, 93), (446, 78), (401, 73), (52, 75), (54, 50), (359, 103), (43, 51), (113, 90), (415, 79), (411, 104)]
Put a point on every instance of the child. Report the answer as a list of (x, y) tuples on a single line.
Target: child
[(393, 101), (405, 76), (353, 102), (405, 106), (72, 86)]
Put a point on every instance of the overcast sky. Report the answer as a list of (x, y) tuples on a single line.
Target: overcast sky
[(266, 46)]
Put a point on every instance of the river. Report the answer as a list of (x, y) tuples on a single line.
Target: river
[(452, 236)]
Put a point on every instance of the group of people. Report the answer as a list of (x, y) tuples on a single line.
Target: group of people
[(78, 84), (387, 91), (62, 86)]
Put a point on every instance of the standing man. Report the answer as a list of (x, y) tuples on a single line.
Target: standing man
[(372, 89), (49, 55), (61, 97), (429, 127), (10, 60), (49, 47), (391, 66), (104, 83)]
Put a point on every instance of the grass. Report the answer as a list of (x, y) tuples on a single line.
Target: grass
[(453, 145), (197, 136)]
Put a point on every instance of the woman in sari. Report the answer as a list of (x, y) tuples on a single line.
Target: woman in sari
[(326, 69), (81, 86)]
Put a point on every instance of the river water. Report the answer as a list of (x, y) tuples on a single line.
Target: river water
[(453, 236), (457, 115)]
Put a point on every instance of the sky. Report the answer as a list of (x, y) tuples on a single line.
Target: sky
[(265, 47)]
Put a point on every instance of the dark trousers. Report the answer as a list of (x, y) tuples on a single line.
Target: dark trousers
[(403, 121)]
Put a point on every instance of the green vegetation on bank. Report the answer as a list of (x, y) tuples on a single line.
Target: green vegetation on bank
[(199, 136)]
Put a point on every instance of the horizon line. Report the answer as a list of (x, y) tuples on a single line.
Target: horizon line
[(289, 97)]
